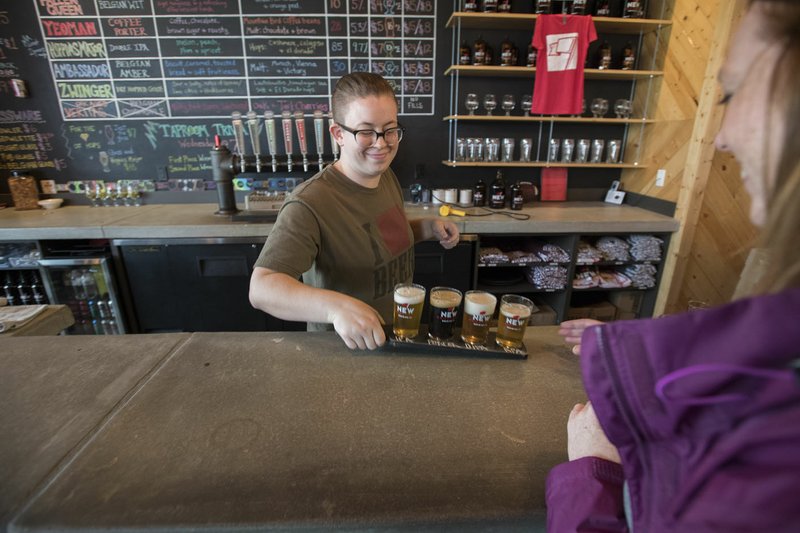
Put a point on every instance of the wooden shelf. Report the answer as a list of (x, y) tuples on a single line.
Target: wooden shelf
[(539, 164), (530, 72), (548, 118), (525, 21)]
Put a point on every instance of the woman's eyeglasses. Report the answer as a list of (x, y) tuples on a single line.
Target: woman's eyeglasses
[(366, 138)]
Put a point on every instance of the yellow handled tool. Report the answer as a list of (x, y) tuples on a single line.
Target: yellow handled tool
[(447, 210)]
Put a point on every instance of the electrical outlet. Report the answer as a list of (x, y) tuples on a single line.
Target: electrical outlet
[(661, 175)]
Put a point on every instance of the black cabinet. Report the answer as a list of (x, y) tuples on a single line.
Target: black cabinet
[(194, 285)]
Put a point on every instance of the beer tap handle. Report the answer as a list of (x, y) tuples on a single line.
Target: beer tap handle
[(287, 137), (252, 126), (272, 140), (319, 136), (300, 124), (334, 144), (238, 132)]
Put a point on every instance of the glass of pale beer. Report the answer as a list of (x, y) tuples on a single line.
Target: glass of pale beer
[(444, 310), (409, 298), (478, 310), (513, 319)]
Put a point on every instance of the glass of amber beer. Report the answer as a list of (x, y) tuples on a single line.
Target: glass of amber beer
[(478, 310), (444, 310), (409, 298), (512, 320)]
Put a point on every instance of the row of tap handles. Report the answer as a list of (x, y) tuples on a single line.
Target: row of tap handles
[(287, 118)]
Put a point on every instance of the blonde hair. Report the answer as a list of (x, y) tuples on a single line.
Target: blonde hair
[(782, 228), (357, 85)]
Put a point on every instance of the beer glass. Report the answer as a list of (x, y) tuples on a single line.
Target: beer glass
[(478, 311), (409, 298), (444, 310), (512, 320)]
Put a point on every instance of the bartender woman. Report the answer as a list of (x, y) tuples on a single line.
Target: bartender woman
[(345, 230)]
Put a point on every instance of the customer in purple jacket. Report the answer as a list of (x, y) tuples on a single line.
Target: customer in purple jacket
[(693, 423)]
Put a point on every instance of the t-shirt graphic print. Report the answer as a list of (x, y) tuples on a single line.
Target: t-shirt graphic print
[(562, 42)]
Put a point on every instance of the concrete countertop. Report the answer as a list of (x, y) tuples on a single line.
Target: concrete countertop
[(168, 221), (277, 431)]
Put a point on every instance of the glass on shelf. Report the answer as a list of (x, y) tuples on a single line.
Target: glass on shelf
[(508, 104), (134, 196), (489, 103), (599, 107), (622, 108), (471, 103), (526, 102), (91, 191)]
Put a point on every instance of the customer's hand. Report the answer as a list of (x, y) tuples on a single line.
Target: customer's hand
[(359, 325), (585, 437), (572, 331), (446, 232)]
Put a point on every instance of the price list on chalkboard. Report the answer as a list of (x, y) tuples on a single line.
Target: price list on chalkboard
[(152, 59)]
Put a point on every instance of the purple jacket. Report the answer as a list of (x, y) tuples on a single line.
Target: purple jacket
[(706, 416)]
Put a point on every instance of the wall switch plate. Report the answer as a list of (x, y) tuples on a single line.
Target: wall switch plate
[(661, 175)]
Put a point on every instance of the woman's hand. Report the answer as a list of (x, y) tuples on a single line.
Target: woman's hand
[(585, 437), (572, 331)]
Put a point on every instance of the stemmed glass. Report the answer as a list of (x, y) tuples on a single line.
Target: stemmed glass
[(91, 191), (133, 194), (526, 103), (622, 108), (599, 107), (111, 195), (489, 104), (471, 103), (508, 104)]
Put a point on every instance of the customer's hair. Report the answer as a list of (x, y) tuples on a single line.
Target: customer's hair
[(357, 85), (781, 232)]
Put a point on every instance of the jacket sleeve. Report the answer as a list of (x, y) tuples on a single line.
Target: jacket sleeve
[(585, 495)]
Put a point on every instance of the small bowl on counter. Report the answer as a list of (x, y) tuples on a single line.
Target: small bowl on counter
[(51, 203)]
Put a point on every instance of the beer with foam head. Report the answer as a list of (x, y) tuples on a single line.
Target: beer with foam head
[(478, 311), (512, 320), (444, 310), (409, 298)]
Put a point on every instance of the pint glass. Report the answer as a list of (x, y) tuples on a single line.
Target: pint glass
[(409, 298), (478, 311), (444, 310), (512, 320)]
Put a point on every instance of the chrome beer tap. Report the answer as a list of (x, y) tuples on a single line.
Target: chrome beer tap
[(300, 124), (238, 132), (272, 140), (334, 145), (287, 138), (319, 136), (252, 126)]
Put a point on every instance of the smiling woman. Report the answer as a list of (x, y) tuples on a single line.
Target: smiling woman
[(693, 420)]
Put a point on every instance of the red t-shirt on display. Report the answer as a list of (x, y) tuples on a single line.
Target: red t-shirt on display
[(562, 42)]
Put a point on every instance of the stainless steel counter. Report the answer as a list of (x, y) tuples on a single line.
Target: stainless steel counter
[(168, 221), (277, 431)]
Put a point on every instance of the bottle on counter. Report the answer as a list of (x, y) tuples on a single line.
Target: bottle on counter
[(604, 56), (470, 6), (602, 8), (479, 194), (633, 10), (24, 192), (507, 54), (497, 200), (516, 197), (580, 7), (532, 53), (490, 6), (628, 57), (504, 6)]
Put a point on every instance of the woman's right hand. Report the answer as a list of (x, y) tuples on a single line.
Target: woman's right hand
[(572, 331), (359, 325)]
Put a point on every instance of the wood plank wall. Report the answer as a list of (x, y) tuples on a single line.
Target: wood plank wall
[(708, 253)]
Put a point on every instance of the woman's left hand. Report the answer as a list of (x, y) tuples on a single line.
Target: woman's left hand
[(585, 437)]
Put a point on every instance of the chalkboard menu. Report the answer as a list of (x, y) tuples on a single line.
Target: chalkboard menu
[(138, 89)]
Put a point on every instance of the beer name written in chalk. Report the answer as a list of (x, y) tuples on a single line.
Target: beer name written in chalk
[(266, 54)]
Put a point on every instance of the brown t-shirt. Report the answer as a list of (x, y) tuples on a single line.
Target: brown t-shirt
[(344, 237)]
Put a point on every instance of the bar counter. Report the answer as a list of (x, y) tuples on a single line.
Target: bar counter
[(167, 221), (277, 431)]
